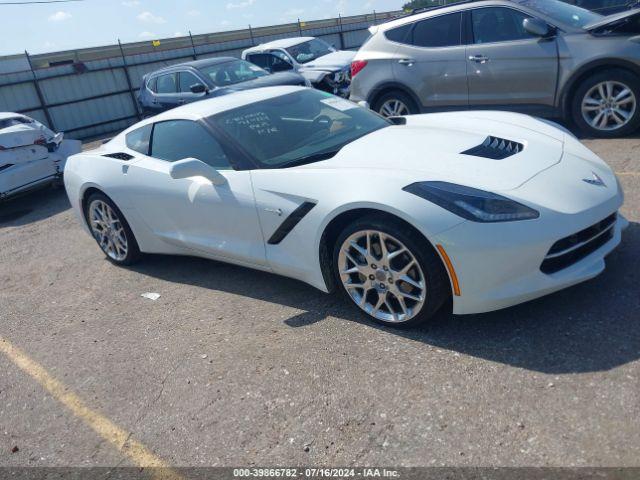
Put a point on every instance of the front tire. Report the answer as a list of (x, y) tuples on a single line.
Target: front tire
[(111, 230), (606, 105), (390, 272)]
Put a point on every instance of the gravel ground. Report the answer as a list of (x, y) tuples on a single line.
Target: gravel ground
[(237, 367)]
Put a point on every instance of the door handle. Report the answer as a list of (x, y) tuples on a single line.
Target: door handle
[(407, 61), (478, 58)]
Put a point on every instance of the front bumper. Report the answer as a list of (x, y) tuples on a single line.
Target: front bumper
[(501, 267)]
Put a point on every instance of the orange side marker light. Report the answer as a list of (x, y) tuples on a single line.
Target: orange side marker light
[(450, 269)]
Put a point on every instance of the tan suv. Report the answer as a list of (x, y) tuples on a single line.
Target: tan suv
[(542, 57)]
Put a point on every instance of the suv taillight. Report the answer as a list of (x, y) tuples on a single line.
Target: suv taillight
[(357, 66)]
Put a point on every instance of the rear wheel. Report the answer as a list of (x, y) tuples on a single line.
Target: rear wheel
[(110, 230), (389, 272), (395, 104), (606, 104)]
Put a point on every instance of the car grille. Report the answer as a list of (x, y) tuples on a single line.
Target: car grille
[(495, 148), (572, 249)]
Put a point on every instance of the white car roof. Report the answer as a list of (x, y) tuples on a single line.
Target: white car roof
[(280, 43), (211, 106)]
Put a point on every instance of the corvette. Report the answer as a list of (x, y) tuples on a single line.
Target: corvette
[(478, 210)]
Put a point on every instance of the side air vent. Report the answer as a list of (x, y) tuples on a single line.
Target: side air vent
[(495, 148), (119, 156)]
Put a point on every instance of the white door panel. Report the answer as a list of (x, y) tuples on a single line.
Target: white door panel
[(220, 220)]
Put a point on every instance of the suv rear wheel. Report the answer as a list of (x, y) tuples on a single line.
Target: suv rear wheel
[(395, 104), (606, 104)]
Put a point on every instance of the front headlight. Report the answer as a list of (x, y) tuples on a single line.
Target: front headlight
[(471, 203)]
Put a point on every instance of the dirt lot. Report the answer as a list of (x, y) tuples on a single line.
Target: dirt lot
[(236, 367)]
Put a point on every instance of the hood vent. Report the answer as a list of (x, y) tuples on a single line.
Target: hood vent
[(119, 156), (495, 148)]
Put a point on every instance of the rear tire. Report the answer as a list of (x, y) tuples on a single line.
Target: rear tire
[(607, 104), (111, 230), (395, 103), (394, 292)]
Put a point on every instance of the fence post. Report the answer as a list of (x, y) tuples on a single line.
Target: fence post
[(299, 28), (341, 34), (193, 47), (36, 84), (375, 20), (253, 42), (126, 74)]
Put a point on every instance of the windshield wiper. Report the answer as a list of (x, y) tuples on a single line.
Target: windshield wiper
[(316, 157)]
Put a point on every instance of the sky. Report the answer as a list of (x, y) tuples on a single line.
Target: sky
[(40, 28)]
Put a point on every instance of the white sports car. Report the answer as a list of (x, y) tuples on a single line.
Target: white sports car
[(489, 209)]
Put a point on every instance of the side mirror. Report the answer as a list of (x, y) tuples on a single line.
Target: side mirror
[(537, 27), (192, 167), (198, 88)]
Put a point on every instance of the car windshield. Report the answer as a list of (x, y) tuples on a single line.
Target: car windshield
[(307, 51), (563, 12), (297, 128), (235, 71)]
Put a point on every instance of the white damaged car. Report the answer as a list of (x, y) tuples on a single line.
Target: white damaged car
[(324, 67), (489, 209), (31, 155)]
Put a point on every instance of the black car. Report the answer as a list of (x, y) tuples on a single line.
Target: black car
[(192, 81), (605, 7)]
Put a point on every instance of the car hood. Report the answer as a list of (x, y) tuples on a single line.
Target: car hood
[(429, 147), (272, 80), (611, 19), (331, 62)]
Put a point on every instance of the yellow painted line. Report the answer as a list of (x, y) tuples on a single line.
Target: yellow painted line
[(112, 433)]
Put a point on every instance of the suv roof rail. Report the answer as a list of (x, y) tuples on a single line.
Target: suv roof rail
[(415, 11)]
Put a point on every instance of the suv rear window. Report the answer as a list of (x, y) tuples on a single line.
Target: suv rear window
[(442, 31), (399, 34)]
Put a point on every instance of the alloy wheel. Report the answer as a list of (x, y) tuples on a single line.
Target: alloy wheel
[(382, 276), (608, 105), (394, 108), (108, 230)]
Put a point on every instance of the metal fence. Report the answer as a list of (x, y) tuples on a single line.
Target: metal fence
[(91, 92)]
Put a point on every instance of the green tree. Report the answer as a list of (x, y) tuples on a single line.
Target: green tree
[(413, 4)]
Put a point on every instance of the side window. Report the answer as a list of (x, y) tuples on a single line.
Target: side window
[(167, 83), (187, 80), (179, 139), (399, 34), (498, 24), (274, 61), (279, 61), (443, 31), (260, 59), (138, 140), (152, 84)]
